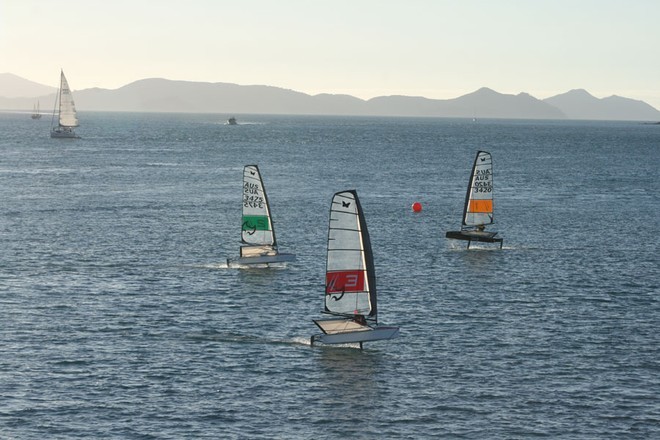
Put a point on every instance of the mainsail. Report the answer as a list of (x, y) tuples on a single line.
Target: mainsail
[(479, 198), (350, 276), (257, 228), (67, 110)]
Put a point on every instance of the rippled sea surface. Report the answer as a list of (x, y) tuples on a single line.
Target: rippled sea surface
[(120, 319)]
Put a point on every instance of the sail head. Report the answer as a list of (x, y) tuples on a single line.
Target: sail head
[(350, 276), (478, 209), (257, 227)]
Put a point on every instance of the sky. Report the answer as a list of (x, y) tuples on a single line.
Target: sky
[(366, 48)]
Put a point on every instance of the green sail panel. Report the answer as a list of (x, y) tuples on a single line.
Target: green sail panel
[(255, 223)]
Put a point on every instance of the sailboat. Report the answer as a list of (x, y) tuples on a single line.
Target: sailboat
[(257, 231), (35, 111), (478, 209), (350, 281), (66, 112)]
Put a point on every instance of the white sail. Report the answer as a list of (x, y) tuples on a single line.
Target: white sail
[(479, 198), (350, 278), (257, 227), (67, 110)]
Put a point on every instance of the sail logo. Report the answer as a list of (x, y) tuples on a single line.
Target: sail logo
[(344, 281)]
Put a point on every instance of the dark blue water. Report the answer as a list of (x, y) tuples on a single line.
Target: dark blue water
[(119, 318)]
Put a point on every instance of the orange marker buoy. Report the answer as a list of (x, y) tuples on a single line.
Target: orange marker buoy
[(417, 207)]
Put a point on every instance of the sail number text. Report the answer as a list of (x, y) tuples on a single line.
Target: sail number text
[(251, 197), (481, 182)]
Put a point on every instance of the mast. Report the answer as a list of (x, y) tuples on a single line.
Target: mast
[(369, 259), (478, 209), (350, 274)]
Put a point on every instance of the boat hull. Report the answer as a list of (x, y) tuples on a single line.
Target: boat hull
[(482, 236), (63, 134), (261, 260), (353, 335)]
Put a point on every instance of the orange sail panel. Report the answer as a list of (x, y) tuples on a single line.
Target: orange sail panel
[(480, 206)]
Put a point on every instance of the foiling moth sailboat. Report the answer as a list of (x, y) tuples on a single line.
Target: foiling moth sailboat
[(66, 113), (257, 230), (478, 210), (350, 290)]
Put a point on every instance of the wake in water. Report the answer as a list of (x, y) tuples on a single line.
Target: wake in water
[(457, 246), (225, 265), (237, 338), (213, 266)]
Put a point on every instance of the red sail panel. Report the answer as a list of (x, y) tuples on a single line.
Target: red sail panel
[(344, 281)]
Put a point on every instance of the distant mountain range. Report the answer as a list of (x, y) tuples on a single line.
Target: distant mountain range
[(162, 95)]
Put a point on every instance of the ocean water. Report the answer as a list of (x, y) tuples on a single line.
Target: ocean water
[(120, 319)]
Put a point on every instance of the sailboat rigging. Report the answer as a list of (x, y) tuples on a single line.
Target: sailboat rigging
[(257, 229), (350, 292), (65, 110), (35, 111), (478, 209)]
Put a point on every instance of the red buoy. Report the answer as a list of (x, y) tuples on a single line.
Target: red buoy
[(417, 207)]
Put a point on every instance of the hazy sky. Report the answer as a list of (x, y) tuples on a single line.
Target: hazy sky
[(366, 48)]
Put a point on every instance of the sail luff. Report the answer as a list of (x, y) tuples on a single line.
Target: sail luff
[(270, 218), (368, 259), (478, 209)]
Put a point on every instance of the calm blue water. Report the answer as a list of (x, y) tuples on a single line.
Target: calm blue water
[(119, 318)]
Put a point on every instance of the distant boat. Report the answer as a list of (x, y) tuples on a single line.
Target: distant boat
[(35, 111), (65, 110), (232, 121), (350, 280), (257, 230), (478, 209)]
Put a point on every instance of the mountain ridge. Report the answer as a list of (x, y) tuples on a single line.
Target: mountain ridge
[(165, 95)]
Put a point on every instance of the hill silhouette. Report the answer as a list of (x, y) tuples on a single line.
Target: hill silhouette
[(580, 104), (163, 95)]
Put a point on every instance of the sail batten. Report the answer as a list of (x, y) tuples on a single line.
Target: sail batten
[(478, 210)]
